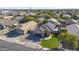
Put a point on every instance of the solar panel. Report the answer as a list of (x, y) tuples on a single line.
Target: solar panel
[(47, 28), (51, 26)]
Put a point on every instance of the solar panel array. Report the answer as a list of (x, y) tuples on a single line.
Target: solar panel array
[(50, 26)]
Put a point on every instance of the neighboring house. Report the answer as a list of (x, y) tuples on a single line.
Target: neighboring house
[(64, 23), (54, 20), (73, 29), (31, 25), (8, 17), (14, 13), (19, 18), (4, 12), (22, 13), (7, 23), (40, 20)]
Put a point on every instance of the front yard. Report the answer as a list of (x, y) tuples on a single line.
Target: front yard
[(51, 43)]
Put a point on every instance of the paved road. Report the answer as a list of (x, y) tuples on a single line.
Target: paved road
[(7, 46), (27, 43)]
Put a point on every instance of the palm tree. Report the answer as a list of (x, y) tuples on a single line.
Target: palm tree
[(70, 40), (74, 40), (62, 36)]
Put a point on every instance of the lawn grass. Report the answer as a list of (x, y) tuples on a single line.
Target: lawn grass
[(51, 43)]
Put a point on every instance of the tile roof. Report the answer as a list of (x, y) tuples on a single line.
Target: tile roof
[(28, 25), (73, 29), (8, 22)]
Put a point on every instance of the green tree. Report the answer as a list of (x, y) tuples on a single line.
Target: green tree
[(50, 13), (45, 21), (61, 16), (74, 16), (70, 40), (74, 40), (29, 18), (66, 17), (63, 34), (47, 16)]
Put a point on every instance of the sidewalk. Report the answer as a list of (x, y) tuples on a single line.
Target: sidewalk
[(28, 43)]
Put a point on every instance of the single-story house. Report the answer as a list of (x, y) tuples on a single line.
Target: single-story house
[(73, 29), (8, 17), (43, 31), (6, 22), (19, 18), (50, 27), (31, 25), (22, 13), (40, 20), (64, 23), (4, 12), (54, 20), (14, 13)]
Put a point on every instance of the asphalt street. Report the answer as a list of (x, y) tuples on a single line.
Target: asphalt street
[(8, 46)]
